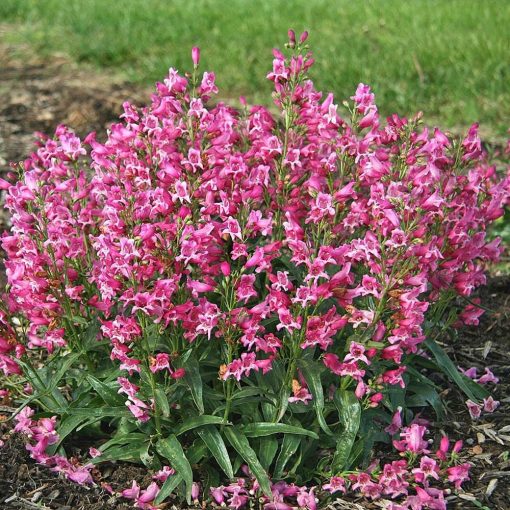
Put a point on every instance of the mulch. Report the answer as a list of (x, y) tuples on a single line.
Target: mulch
[(36, 96)]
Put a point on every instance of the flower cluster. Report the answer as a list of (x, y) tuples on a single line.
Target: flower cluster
[(207, 260), (412, 479), (42, 434)]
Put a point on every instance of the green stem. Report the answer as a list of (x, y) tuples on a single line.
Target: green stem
[(228, 404), (157, 415)]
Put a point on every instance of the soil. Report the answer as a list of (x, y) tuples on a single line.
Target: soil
[(37, 96)]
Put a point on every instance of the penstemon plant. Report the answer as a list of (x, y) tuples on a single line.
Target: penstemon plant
[(243, 300)]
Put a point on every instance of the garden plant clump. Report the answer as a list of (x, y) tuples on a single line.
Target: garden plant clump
[(248, 304)]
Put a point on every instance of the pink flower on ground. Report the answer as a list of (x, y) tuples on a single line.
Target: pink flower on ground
[(396, 423), (458, 474), (475, 410), (335, 484), (490, 405)]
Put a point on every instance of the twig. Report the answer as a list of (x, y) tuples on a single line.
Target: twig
[(7, 409), (26, 503)]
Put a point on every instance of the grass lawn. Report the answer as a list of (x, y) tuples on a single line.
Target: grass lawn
[(448, 58)]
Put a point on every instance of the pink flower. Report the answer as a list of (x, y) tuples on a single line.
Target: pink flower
[(245, 289), (488, 377), (160, 362), (356, 353), (396, 423), (335, 484), (412, 439), (490, 405), (458, 474), (300, 393), (443, 448), (131, 493), (474, 409), (93, 452), (428, 468), (163, 474)]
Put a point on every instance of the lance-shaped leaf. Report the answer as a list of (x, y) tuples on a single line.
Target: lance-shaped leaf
[(213, 440), (471, 389), (266, 429), (171, 449), (349, 412), (289, 447), (242, 446), (193, 380), (312, 374), (196, 422)]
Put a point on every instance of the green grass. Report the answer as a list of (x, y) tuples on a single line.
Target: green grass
[(448, 58)]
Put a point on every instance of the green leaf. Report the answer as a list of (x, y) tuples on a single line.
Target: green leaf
[(193, 380), (195, 454), (106, 392), (472, 390), (65, 363), (162, 402), (283, 402), (267, 451), (266, 429), (90, 341), (41, 383), (349, 412), (312, 374), (423, 395), (247, 392), (100, 412), (168, 487), (197, 421), (66, 427), (242, 446), (127, 438), (126, 452), (149, 460), (171, 449), (213, 440), (289, 448)]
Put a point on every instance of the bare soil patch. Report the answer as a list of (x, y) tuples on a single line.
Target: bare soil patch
[(37, 95)]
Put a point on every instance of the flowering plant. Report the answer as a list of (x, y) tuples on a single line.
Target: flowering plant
[(229, 289)]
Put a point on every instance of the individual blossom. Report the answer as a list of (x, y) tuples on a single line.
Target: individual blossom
[(475, 410)]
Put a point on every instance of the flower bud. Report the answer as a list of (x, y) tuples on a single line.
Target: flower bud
[(195, 491), (292, 38), (195, 55), (179, 373), (225, 268), (304, 37)]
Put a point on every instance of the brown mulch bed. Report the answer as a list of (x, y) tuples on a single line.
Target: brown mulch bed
[(36, 96)]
